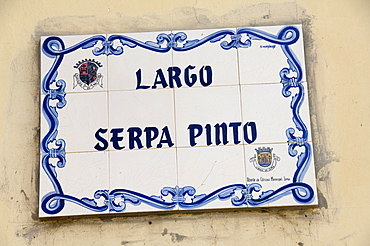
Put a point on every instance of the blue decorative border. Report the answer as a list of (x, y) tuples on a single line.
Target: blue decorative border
[(116, 200)]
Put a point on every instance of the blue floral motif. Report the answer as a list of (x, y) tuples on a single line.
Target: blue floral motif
[(295, 188), (171, 197)]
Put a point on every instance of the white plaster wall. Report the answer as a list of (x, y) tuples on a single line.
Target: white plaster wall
[(337, 59)]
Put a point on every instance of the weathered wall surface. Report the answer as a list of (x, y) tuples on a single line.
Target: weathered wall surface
[(337, 60)]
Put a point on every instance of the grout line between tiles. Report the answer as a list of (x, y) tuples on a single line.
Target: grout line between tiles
[(180, 147), (175, 126), (241, 115), (183, 88), (108, 122)]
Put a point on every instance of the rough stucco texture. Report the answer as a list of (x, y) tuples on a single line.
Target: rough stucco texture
[(337, 58)]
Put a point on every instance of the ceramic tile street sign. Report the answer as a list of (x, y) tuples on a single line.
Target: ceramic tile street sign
[(176, 120)]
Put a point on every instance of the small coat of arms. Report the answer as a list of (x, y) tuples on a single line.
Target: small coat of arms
[(265, 160), (88, 77)]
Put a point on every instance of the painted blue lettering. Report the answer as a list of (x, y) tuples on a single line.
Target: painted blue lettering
[(165, 138), (161, 81), (115, 139), (138, 81), (250, 137), (192, 135), (134, 134), (205, 77), (151, 134), (173, 74), (101, 139)]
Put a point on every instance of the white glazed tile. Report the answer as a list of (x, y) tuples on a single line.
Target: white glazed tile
[(202, 106), (145, 172), (223, 63), (67, 70), (265, 105), (209, 169), (123, 68), (142, 108), (79, 120), (82, 175), (280, 173), (263, 60)]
